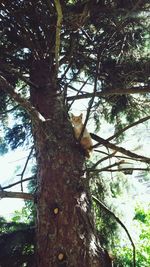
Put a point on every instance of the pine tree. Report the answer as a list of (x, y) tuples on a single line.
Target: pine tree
[(47, 46)]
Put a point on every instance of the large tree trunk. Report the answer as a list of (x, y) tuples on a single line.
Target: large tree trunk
[(65, 233)]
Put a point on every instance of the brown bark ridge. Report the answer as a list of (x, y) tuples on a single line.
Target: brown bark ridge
[(65, 234)]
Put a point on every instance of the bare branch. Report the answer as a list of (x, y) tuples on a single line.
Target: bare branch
[(118, 91), (78, 92), (18, 182), (128, 127), (104, 168), (103, 159), (25, 166), (103, 206), (6, 194), (8, 88), (66, 70), (122, 150), (93, 95), (116, 156)]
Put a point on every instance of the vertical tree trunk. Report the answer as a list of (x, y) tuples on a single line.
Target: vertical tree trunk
[(65, 233)]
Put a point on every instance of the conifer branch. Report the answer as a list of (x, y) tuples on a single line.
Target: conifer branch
[(15, 73), (8, 88)]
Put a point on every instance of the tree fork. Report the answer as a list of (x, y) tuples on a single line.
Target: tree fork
[(65, 232)]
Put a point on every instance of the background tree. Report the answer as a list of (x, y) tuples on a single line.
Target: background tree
[(46, 48)]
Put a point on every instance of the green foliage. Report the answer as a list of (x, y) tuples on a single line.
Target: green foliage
[(107, 227), (123, 257), (142, 217), (23, 216), (14, 225), (3, 147), (17, 248), (3, 99), (123, 254), (97, 121), (18, 134), (15, 136), (27, 214), (110, 232)]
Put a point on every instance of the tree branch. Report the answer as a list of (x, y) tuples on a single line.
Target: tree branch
[(106, 169), (8, 88), (18, 182), (128, 127), (58, 29), (93, 95), (122, 150), (6, 68), (102, 205), (25, 166), (9, 110), (103, 159), (78, 92), (118, 91), (6, 194)]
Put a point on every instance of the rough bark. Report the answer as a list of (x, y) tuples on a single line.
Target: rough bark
[(65, 233)]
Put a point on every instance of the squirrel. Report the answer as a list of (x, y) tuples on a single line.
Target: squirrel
[(86, 141)]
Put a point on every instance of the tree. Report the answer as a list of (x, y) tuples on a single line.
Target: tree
[(47, 46)]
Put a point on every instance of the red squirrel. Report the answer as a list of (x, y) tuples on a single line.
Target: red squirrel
[(86, 141)]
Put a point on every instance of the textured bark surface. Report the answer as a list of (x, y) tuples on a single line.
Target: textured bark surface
[(65, 233)]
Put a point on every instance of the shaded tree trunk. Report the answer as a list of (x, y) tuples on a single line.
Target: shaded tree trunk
[(65, 233)]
